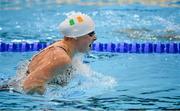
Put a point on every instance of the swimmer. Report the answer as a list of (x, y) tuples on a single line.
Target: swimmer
[(78, 31)]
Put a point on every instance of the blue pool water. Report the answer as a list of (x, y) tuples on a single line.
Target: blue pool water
[(105, 81)]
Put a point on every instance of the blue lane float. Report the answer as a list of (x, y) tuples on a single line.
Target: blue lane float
[(100, 47)]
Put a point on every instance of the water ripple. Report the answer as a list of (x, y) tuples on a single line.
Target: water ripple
[(158, 91)]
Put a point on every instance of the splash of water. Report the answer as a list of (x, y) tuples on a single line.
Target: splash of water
[(15, 82), (85, 83)]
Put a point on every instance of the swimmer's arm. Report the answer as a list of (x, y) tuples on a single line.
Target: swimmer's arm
[(36, 80)]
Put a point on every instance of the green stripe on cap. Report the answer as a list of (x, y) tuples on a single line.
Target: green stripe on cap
[(71, 22)]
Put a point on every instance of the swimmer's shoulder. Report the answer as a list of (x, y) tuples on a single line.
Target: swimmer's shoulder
[(60, 56)]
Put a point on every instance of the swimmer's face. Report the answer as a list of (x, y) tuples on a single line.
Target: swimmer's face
[(85, 42)]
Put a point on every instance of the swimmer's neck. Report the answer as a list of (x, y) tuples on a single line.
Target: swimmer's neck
[(71, 46)]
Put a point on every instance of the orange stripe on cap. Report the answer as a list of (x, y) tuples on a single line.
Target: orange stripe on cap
[(79, 18)]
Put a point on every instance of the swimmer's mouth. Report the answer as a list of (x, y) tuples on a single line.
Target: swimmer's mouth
[(90, 45)]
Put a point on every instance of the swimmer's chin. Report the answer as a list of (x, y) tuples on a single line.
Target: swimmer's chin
[(87, 50), (90, 47)]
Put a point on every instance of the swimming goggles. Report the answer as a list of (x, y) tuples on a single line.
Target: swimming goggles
[(91, 33)]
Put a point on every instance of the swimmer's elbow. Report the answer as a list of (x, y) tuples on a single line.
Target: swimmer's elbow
[(31, 87), (37, 90)]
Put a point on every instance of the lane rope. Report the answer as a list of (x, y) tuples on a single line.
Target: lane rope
[(100, 47)]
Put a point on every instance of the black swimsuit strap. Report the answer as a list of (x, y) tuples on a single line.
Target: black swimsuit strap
[(63, 49)]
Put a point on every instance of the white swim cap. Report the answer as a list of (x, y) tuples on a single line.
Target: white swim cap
[(77, 24)]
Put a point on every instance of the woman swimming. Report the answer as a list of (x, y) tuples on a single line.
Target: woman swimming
[(55, 61)]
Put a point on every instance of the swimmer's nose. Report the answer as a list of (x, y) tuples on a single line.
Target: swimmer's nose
[(95, 38)]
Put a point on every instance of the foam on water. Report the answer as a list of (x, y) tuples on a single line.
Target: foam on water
[(85, 83), (16, 81)]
